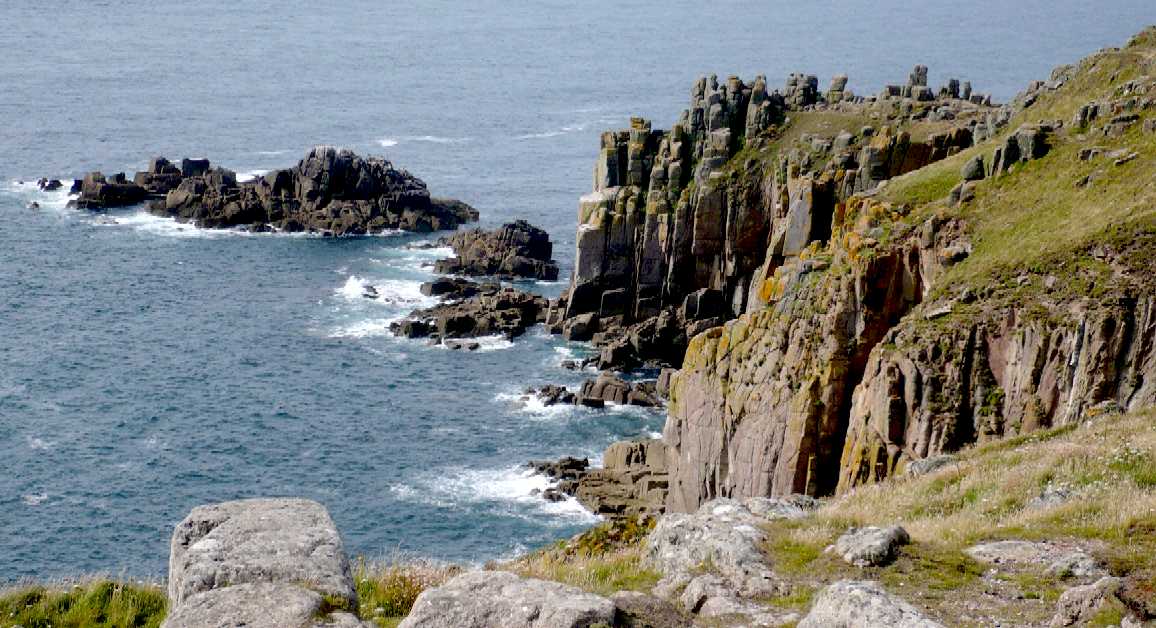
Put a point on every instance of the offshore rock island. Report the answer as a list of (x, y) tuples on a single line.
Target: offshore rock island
[(906, 345), (330, 191)]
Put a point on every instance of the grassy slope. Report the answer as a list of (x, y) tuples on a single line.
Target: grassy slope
[(100, 603)]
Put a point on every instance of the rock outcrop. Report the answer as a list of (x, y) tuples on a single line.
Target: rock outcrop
[(329, 191), (497, 599), (493, 310), (701, 208), (516, 250), (863, 604), (871, 546), (266, 563)]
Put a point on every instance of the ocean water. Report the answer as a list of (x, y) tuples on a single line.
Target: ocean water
[(147, 367)]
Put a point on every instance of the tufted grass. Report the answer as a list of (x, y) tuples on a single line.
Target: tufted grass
[(98, 602), (387, 590)]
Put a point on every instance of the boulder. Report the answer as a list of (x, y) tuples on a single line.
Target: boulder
[(260, 605), (862, 604), (871, 546), (580, 328), (640, 610), (259, 541), (493, 310), (723, 533), (973, 170), (1078, 605), (498, 599), (931, 464)]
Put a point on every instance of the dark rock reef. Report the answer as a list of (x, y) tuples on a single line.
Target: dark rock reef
[(330, 191), (489, 309), (516, 250)]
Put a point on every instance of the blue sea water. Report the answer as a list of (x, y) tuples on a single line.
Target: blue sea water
[(147, 367)]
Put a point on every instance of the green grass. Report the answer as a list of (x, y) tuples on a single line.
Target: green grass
[(386, 591), (99, 603)]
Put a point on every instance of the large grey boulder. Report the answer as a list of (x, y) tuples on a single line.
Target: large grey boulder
[(498, 599), (259, 541), (863, 604), (871, 546), (724, 534), (258, 605)]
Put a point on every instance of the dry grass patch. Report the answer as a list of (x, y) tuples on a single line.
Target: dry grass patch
[(387, 590)]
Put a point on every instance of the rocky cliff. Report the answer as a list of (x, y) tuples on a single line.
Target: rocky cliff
[(745, 180), (908, 274)]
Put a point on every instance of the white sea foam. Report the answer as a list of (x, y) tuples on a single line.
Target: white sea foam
[(29, 192), (553, 133), (40, 443), (436, 139), (271, 153), (249, 175), (533, 406), (165, 226), (387, 142), (365, 329), (34, 499), (509, 489), (398, 292)]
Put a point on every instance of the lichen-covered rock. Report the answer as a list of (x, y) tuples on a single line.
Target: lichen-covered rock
[(863, 604), (722, 533), (259, 540), (871, 546), (1058, 559), (259, 605), (1078, 605), (498, 599), (517, 249)]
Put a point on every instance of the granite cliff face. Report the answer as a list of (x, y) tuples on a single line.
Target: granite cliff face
[(900, 276), (744, 181)]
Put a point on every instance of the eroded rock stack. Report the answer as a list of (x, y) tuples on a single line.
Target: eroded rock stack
[(330, 191), (516, 250), (672, 213)]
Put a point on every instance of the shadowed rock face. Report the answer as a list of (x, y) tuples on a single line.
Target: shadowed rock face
[(517, 249), (330, 191)]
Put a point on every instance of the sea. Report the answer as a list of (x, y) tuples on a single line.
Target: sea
[(148, 366)]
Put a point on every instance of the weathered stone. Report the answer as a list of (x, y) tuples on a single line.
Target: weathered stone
[(924, 466), (259, 541), (493, 310), (723, 533), (973, 170), (259, 605), (1077, 605), (498, 599), (639, 610), (862, 604), (871, 546), (1057, 559)]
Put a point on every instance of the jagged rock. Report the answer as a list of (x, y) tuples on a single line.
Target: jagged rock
[(493, 310), (1077, 605), (259, 605), (871, 546), (973, 170), (613, 389), (330, 191), (580, 328), (1030, 141), (862, 604), (723, 533), (553, 395), (49, 185), (639, 610), (517, 249), (662, 387), (455, 288), (566, 468), (498, 599), (258, 541), (632, 480)]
